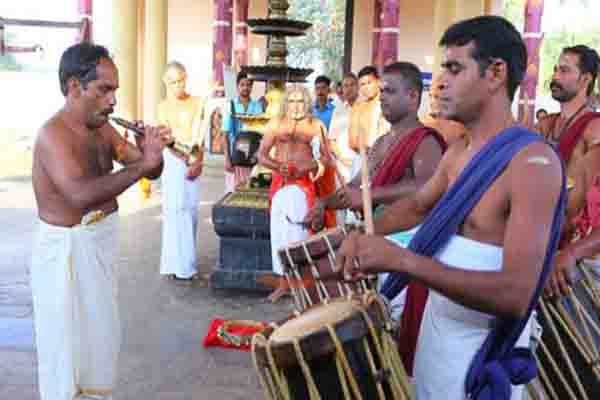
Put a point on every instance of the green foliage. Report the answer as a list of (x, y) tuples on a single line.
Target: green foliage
[(322, 48)]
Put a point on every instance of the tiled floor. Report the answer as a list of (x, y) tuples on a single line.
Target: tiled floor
[(163, 323)]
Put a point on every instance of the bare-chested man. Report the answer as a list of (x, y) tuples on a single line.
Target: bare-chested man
[(366, 119), (408, 154), (73, 275), (298, 142), (185, 115), (485, 240), (576, 132), (450, 130), (576, 129)]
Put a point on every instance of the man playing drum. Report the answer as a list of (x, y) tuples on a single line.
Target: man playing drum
[(401, 160), (297, 141), (73, 276), (485, 242), (576, 132)]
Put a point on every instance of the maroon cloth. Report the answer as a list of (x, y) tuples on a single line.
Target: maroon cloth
[(573, 133), (394, 165), (391, 171), (589, 217), (410, 324)]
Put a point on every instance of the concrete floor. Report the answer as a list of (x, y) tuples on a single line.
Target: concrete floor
[(163, 323)]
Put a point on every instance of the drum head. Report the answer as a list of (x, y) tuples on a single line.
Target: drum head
[(313, 320)]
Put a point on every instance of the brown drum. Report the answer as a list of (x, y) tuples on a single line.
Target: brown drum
[(309, 268), (340, 350), (568, 353)]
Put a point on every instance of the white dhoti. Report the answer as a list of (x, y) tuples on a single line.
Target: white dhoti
[(74, 288), (288, 202), (180, 198), (451, 334)]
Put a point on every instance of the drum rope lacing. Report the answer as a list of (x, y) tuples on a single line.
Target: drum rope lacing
[(276, 387)]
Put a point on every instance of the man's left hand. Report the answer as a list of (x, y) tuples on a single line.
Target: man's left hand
[(353, 198), (561, 276), (362, 254)]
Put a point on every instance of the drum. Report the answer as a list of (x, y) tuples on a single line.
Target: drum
[(340, 350), (309, 267), (568, 352)]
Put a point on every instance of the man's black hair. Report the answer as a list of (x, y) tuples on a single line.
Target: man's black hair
[(323, 79), (368, 70), (241, 75), (350, 75), (79, 61), (589, 62), (410, 73), (541, 110), (492, 37)]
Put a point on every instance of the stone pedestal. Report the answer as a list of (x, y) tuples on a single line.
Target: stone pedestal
[(241, 221)]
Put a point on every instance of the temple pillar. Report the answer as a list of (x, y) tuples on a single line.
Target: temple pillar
[(125, 55), (390, 30), (155, 56), (84, 9), (376, 58), (222, 43), (241, 33), (533, 36), (447, 12)]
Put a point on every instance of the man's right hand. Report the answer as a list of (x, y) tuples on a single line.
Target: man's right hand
[(154, 141)]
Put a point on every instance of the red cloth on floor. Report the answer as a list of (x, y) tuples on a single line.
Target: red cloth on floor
[(573, 134), (212, 339)]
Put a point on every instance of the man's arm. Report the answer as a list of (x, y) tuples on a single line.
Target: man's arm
[(125, 152), (506, 292), (226, 128), (83, 192), (592, 134), (266, 144), (354, 126), (424, 162)]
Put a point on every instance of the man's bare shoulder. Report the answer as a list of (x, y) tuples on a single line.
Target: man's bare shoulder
[(52, 132), (537, 165), (592, 132)]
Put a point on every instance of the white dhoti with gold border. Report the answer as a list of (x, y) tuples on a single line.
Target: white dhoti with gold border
[(74, 288)]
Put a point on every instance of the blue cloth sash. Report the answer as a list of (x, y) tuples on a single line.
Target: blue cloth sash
[(497, 364)]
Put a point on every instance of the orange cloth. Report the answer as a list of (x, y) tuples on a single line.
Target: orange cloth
[(326, 186)]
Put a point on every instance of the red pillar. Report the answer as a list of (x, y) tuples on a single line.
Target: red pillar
[(532, 34), (390, 29), (222, 42), (241, 33), (375, 54), (84, 8)]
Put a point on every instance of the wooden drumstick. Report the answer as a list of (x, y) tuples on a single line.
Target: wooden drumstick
[(366, 187)]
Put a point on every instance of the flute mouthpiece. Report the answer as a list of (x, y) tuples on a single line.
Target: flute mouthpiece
[(128, 125)]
